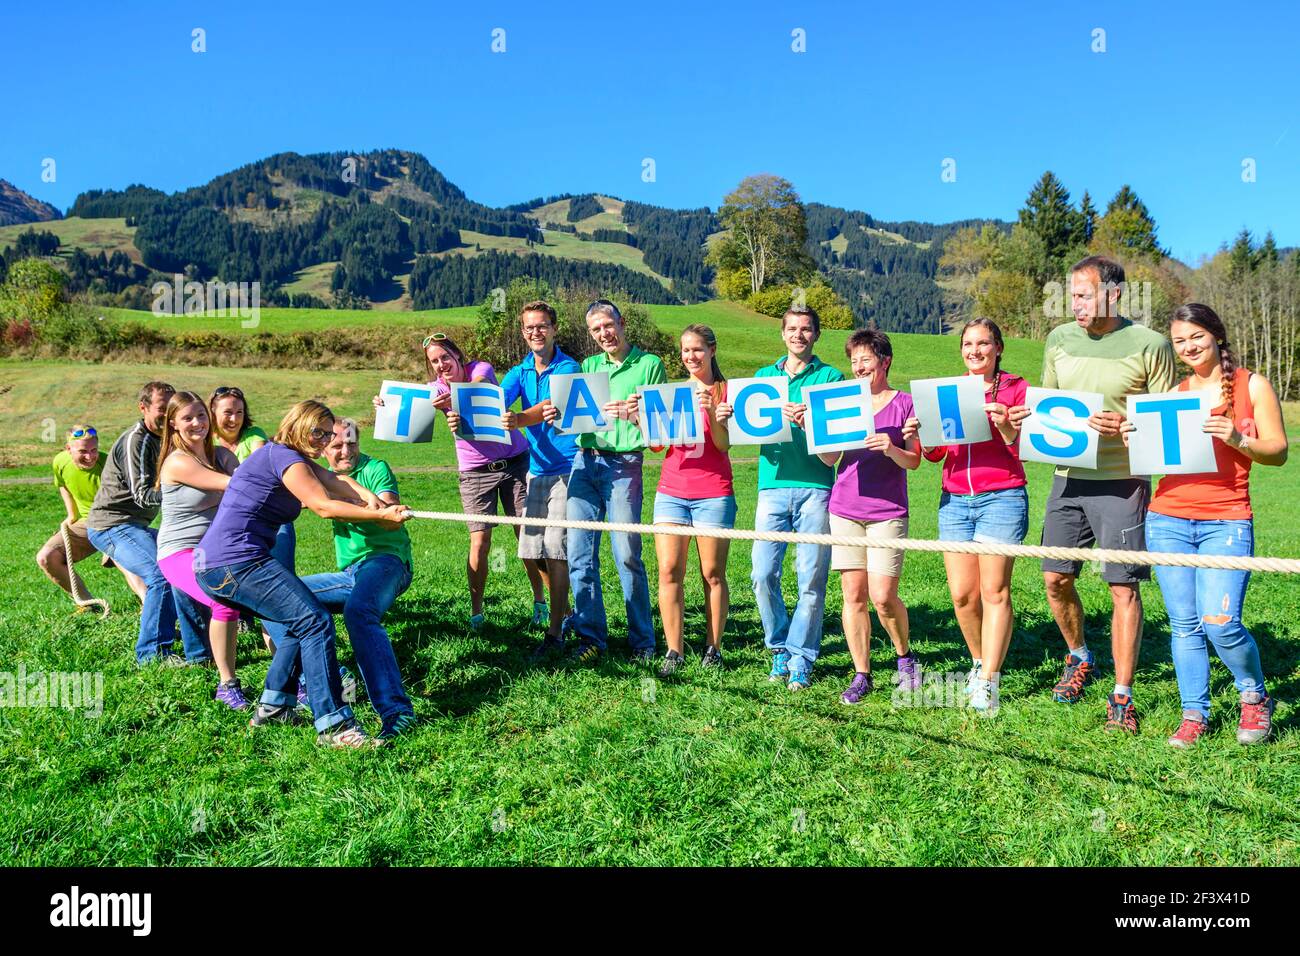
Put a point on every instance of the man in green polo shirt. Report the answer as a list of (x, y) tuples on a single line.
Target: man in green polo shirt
[(794, 493), (605, 485), (374, 569)]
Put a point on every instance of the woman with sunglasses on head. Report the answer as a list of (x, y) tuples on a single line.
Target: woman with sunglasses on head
[(1210, 513), (234, 565), (489, 471)]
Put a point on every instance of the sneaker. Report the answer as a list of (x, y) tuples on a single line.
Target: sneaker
[(349, 682), (1120, 714), (476, 622), (1190, 730), (642, 655), (398, 726), (348, 734), (971, 677), (780, 667), (303, 700), (984, 697), (275, 714), (673, 662), (584, 652), (861, 686), (909, 673), (550, 646), (800, 678), (541, 614), (170, 660), (1256, 717), (712, 657), (231, 693), (1077, 675)]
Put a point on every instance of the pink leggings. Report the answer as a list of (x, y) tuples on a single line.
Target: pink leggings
[(178, 569)]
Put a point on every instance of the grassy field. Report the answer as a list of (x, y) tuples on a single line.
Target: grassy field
[(560, 244), (515, 765), (93, 235)]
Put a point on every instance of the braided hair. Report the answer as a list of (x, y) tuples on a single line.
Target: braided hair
[(1208, 319), (996, 333)]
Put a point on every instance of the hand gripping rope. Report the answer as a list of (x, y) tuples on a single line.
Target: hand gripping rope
[(1111, 555)]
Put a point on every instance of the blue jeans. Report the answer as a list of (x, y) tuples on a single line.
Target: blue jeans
[(135, 549), (286, 543), (1206, 603), (265, 587), (363, 593), (607, 488), (792, 509)]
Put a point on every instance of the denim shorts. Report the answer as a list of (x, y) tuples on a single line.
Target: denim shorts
[(696, 512), (994, 517)]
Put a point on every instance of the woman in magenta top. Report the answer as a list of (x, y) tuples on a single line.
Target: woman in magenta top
[(984, 499), (695, 489), (490, 472), (869, 501)]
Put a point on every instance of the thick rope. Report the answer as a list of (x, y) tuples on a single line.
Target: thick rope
[(80, 596), (1111, 555)]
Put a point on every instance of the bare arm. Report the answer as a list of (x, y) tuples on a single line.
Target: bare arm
[(1271, 447), (181, 469), (69, 504), (830, 458), (304, 484)]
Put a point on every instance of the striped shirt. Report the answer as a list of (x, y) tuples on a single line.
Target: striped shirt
[(126, 488)]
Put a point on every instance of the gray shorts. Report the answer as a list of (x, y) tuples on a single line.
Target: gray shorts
[(1111, 513), (547, 497), (481, 490)]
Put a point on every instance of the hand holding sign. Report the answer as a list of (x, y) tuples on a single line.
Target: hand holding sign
[(404, 413), (951, 410), (1168, 434), (754, 410), (479, 407), (1056, 427), (580, 398)]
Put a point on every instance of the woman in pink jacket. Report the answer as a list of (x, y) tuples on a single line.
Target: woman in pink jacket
[(984, 499)]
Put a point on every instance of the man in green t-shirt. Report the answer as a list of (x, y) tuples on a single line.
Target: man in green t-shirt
[(374, 569), (794, 493), (1101, 351), (605, 485), (76, 474)]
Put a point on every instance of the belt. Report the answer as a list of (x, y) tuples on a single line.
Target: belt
[(501, 464), (607, 453)]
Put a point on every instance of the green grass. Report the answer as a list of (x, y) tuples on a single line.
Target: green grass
[(93, 235), (562, 245)]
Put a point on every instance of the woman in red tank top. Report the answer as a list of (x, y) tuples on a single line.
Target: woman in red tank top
[(1210, 513)]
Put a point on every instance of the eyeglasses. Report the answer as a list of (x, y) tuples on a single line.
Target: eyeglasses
[(225, 390), (320, 434), (435, 337), (87, 432)]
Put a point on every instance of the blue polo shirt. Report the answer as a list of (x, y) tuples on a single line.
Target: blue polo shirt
[(550, 453)]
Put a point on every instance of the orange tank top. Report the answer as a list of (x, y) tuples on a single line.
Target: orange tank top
[(1224, 493)]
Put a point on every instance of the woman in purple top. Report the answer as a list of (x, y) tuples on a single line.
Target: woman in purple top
[(233, 564), (869, 501), (489, 471)]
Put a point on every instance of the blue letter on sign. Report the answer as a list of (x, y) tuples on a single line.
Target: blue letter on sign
[(469, 409), (656, 413), (1168, 410), (408, 395), (950, 413), (820, 417), (1078, 439), (581, 402), (771, 415)]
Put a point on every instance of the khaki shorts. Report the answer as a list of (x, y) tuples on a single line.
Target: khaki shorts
[(872, 560), (481, 490), (81, 546), (548, 497)]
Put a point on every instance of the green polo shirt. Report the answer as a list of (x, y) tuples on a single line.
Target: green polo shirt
[(354, 541), (639, 368), (82, 485), (788, 464)]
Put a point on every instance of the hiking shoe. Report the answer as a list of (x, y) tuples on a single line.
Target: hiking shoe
[(983, 697), (584, 652), (971, 677), (712, 657), (348, 734), (909, 673), (476, 622), (861, 686), (800, 678), (303, 700), (541, 614), (398, 726), (673, 662), (642, 655), (1077, 675), (1256, 717), (231, 693), (1189, 731), (275, 714), (780, 667), (550, 645), (1120, 714), (349, 682)]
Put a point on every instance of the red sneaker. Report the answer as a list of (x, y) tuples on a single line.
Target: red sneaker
[(1256, 718), (1077, 674), (1190, 730), (1120, 714)]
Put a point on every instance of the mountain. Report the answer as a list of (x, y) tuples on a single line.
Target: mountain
[(17, 207)]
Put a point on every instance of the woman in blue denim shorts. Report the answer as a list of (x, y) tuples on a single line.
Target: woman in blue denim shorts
[(984, 499)]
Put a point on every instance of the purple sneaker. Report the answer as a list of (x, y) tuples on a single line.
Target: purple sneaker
[(909, 673), (231, 693), (861, 687)]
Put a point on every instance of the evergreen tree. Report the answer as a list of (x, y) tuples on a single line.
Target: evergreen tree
[(1049, 215)]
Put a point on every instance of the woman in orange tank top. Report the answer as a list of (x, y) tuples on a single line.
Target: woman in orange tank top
[(1210, 513)]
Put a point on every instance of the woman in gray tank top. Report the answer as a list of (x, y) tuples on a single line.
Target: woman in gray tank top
[(193, 474)]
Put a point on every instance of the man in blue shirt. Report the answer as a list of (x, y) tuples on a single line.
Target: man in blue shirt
[(550, 462)]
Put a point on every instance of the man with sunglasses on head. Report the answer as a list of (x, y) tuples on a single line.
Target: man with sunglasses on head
[(77, 471), (118, 524)]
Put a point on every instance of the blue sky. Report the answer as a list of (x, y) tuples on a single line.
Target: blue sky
[(884, 93)]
